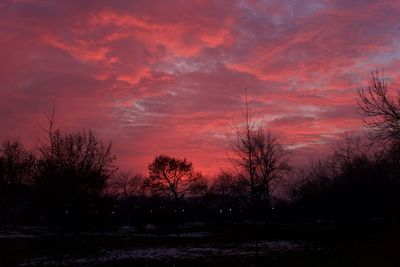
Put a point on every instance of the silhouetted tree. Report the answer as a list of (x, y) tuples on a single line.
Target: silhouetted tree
[(126, 187), (17, 162), (271, 163), (381, 116), (16, 169), (260, 162), (224, 185), (226, 193), (380, 110), (347, 184), (126, 184), (73, 169), (174, 177)]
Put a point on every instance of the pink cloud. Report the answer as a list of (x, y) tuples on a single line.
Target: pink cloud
[(170, 78)]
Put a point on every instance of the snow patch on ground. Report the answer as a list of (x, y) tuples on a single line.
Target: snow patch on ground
[(167, 253)]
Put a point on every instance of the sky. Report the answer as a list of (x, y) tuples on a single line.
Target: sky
[(169, 77)]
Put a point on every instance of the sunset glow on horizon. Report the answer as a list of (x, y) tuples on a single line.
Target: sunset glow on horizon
[(169, 77)]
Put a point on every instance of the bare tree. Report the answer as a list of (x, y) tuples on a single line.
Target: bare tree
[(127, 188), (80, 156), (16, 169), (73, 168), (126, 184), (244, 161), (260, 161), (224, 185), (176, 177), (271, 163), (18, 163), (227, 193), (380, 110)]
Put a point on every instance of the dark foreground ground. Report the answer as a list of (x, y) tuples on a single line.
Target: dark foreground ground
[(200, 245)]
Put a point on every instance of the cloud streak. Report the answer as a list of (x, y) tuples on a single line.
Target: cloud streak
[(170, 78)]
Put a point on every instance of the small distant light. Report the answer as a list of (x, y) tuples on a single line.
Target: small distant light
[(273, 208), (230, 210), (66, 211), (220, 211), (183, 210), (113, 212), (151, 211)]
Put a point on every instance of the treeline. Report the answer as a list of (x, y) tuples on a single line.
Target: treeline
[(352, 184), (70, 179)]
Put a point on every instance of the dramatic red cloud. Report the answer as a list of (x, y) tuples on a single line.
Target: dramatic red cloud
[(169, 77)]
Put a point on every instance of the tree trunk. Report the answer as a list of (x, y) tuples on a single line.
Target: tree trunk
[(177, 214)]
